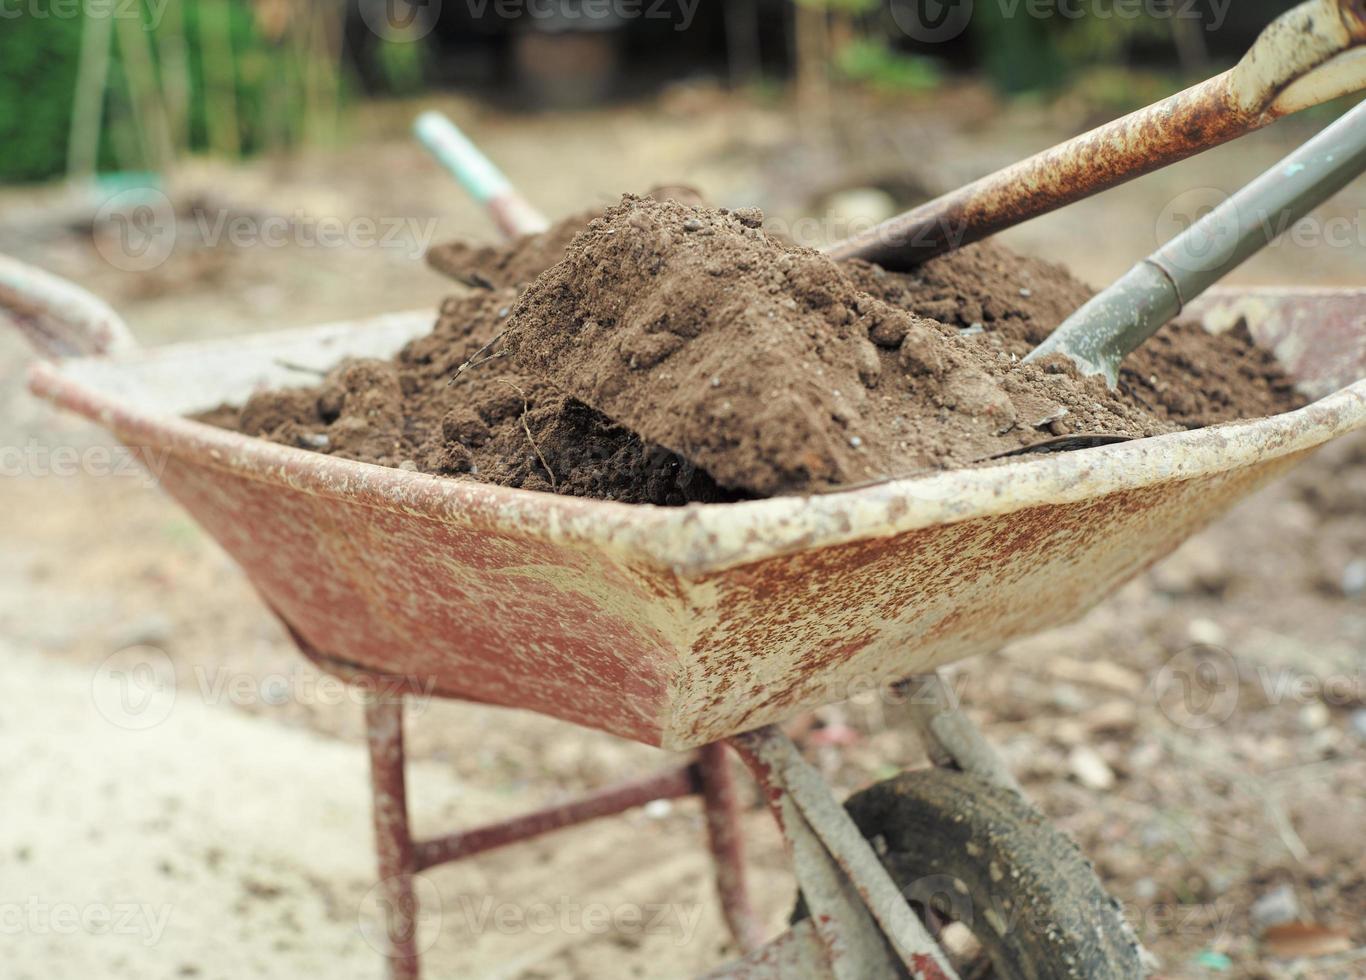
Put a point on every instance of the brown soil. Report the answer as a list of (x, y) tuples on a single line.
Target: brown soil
[(498, 266), (520, 261), (494, 423), (1181, 374), (777, 370), (676, 353)]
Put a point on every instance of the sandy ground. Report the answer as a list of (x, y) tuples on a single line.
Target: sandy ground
[(187, 798)]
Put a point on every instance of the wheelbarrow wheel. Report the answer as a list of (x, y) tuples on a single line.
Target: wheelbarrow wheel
[(965, 851)]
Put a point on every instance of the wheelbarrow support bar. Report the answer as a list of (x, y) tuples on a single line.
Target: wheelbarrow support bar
[(401, 857)]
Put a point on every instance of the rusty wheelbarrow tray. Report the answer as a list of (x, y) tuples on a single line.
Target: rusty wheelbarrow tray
[(686, 627), (680, 627)]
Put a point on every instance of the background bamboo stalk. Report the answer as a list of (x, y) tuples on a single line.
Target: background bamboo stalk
[(87, 114), (220, 77), (145, 96), (176, 90)]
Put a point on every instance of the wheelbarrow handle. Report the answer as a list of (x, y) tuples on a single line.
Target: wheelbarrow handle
[(1310, 54), (59, 318)]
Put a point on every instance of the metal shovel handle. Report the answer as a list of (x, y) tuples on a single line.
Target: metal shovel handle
[(1307, 56), (59, 318), (1099, 335)]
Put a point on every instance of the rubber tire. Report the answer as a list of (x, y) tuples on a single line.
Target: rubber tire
[(982, 854)]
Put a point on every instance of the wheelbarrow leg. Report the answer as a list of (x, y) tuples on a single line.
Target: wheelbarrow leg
[(727, 844), (860, 917), (393, 840), (949, 737)]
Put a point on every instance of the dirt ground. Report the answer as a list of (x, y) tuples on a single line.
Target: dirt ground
[(219, 827)]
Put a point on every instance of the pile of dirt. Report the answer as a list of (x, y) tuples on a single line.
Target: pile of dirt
[(500, 266), (777, 370), (1182, 374), (522, 260), (493, 423), (664, 352)]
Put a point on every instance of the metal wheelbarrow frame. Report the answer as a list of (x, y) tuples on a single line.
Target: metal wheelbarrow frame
[(678, 627)]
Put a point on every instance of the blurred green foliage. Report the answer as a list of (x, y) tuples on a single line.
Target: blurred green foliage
[(1039, 54), (402, 65), (1020, 53), (877, 65), (37, 81), (275, 87)]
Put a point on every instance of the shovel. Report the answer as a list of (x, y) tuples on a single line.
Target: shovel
[(1309, 55), (1098, 336)]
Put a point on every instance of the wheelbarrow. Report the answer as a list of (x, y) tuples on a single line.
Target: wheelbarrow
[(698, 627), (701, 626)]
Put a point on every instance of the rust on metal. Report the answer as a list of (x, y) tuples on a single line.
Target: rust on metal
[(841, 877), (681, 626), (1318, 334), (1147, 140), (669, 785), (393, 841), (725, 839)]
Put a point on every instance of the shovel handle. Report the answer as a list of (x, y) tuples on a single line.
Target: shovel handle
[(479, 175), (59, 318), (1307, 56)]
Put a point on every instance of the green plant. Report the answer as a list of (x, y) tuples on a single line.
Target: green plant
[(873, 62), (402, 64), (202, 76), (37, 82)]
